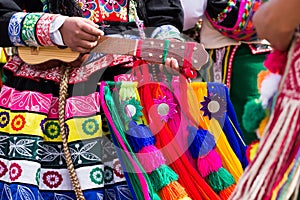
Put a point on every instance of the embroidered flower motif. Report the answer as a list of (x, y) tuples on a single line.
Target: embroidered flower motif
[(88, 7), (97, 176), (133, 109), (108, 174), (112, 5), (38, 176), (165, 108), (4, 119), (52, 179), (118, 169), (90, 126), (18, 122), (3, 169), (15, 171), (213, 106), (51, 128)]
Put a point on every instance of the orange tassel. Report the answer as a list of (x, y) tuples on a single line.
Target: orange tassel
[(173, 191), (225, 194)]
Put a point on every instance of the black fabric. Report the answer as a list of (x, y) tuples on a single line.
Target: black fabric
[(215, 7)]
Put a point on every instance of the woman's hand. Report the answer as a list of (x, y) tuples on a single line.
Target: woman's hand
[(80, 34)]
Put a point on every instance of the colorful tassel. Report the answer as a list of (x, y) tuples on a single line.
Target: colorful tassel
[(173, 191), (209, 164), (275, 61), (226, 193), (157, 159), (162, 177), (253, 115)]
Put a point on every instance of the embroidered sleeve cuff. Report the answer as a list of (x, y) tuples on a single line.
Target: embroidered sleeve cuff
[(15, 27), (54, 30), (43, 29), (28, 33), (166, 32)]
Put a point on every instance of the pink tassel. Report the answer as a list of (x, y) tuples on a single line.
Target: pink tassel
[(275, 62), (150, 158), (209, 163)]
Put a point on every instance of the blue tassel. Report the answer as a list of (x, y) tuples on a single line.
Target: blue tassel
[(139, 136), (200, 142)]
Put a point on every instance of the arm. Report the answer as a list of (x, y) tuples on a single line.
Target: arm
[(276, 22)]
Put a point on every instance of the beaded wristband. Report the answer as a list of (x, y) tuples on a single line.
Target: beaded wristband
[(14, 28), (43, 29), (28, 29)]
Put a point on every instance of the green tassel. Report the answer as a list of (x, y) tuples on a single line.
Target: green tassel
[(253, 114), (220, 180), (162, 176), (155, 196)]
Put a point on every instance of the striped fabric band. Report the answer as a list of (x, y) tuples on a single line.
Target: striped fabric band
[(14, 28), (43, 29), (28, 29)]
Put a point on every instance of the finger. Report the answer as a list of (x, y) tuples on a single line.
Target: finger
[(90, 29), (91, 23), (86, 44), (81, 50), (174, 64), (88, 37)]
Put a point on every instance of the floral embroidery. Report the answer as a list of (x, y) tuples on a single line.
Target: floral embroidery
[(90, 126), (4, 119), (113, 5), (52, 179), (133, 109), (97, 176), (3, 169), (213, 106), (118, 169), (18, 122), (52, 129), (165, 108), (38, 176), (89, 9), (15, 171), (108, 174)]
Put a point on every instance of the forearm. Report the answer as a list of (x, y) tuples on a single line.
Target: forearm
[(276, 21)]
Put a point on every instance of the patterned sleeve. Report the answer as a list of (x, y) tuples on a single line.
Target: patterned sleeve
[(19, 28)]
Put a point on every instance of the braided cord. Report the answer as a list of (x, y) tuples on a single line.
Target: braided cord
[(63, 91)]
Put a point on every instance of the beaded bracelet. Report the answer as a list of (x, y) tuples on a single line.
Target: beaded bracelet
[(28, 29), (14, 28)]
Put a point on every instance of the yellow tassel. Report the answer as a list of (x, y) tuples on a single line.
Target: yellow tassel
[(173, 191), (262, 126), (225, 194), (260, 77)]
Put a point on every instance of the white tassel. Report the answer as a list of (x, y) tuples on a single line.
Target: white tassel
[(269, 87)]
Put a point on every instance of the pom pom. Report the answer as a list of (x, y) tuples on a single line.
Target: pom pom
[(253, 114), (162, 177), (276, 61), (269, 87), (200, 142), (220, 180), (150, 158), (226, 193), (251, 150), (209, 163), (139, 136), (260, 77), (173, 191), (262, 125)]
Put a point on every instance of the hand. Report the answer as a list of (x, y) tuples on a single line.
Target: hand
[(80, 34)]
